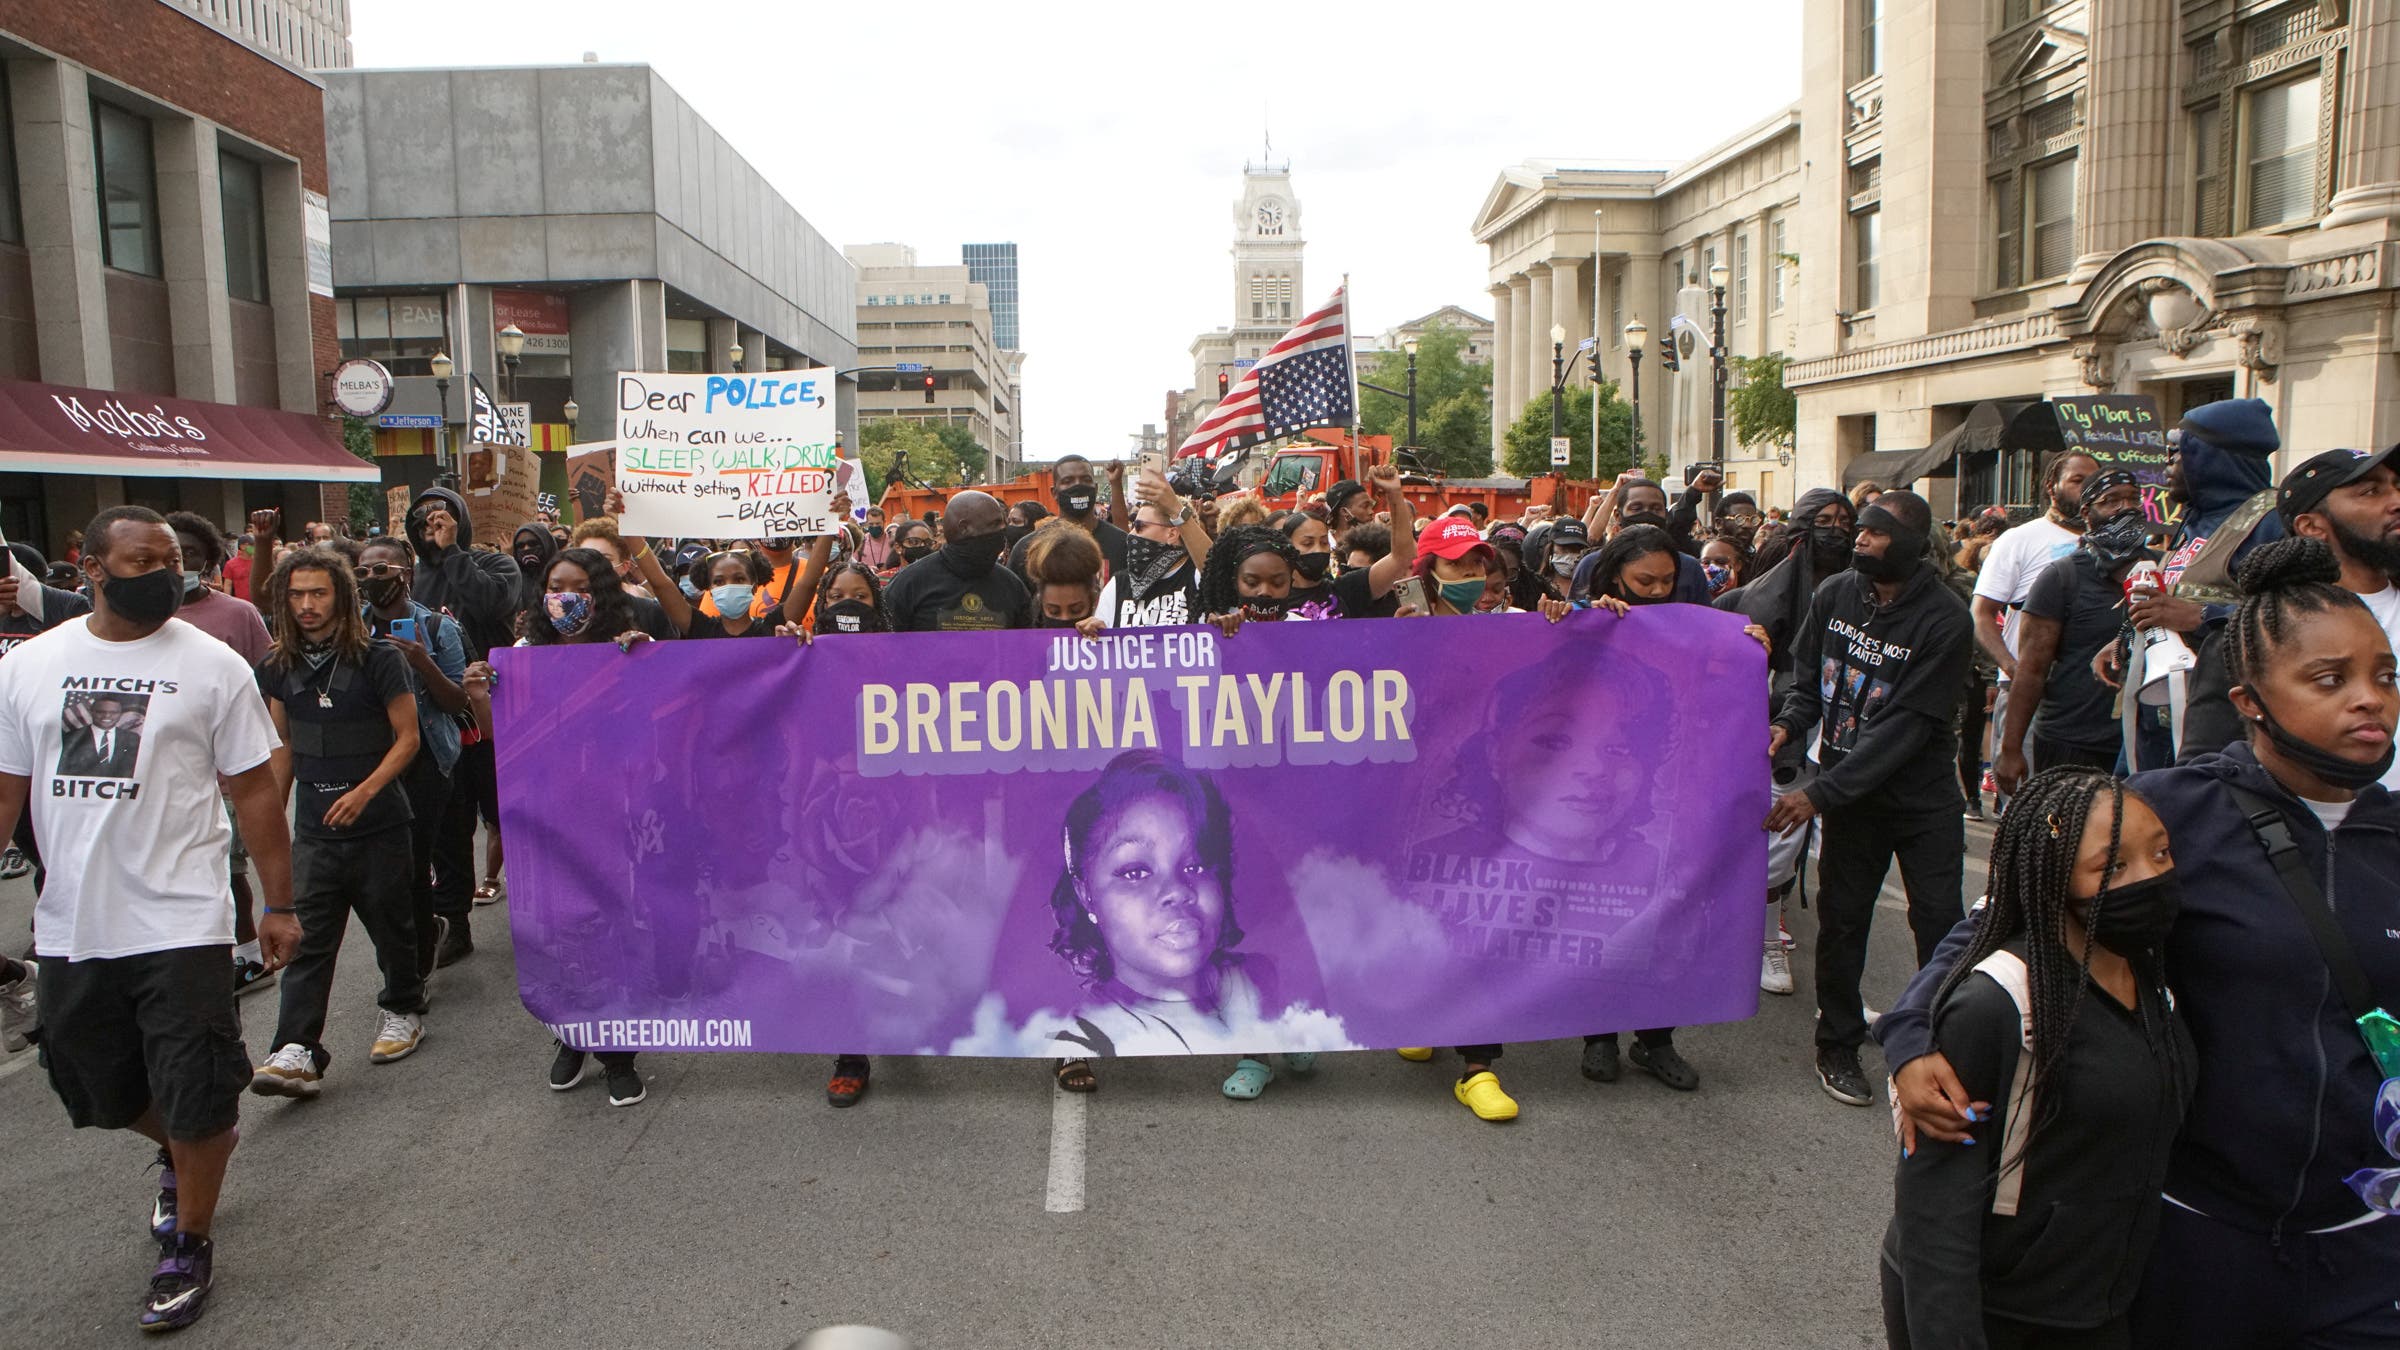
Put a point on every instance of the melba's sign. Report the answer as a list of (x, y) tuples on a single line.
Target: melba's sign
[(116, 419)]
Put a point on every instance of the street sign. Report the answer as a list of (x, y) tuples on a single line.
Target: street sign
[(1560, 448), (409, 421), (1244, 364), (518, 418), (362, 388), (908, 366), (1586, 345)]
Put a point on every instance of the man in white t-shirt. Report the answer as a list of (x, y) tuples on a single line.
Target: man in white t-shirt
[(2018, 558), (116, 729)]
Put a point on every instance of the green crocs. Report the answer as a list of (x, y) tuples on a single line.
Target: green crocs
[(1249, 1079)]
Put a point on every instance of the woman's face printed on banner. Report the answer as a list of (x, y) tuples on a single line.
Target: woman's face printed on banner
[(1578, 776), (1157, 901)]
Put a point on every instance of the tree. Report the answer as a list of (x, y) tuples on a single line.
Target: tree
[(1528, 438), (366, 499), (1454, 403), (972, 459), (930, 458), (1760, 411)]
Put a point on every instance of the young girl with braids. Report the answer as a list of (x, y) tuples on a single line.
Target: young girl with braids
[(2261, 1241), (2058, 1011)]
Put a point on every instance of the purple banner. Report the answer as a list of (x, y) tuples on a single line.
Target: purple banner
[(1309, 836)]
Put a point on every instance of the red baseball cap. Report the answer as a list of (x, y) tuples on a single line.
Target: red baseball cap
[(1453, 538)]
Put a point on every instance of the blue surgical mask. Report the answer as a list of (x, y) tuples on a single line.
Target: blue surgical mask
[(732, 600), (691, 592)]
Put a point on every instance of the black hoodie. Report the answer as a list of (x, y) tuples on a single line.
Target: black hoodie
[(477, 589), (545, 547), (1884, 682)]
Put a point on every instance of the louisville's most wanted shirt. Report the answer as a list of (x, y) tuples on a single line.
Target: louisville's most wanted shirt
[(2014, 562), (133, 834)]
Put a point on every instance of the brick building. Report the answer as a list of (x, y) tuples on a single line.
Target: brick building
[(166, 310)]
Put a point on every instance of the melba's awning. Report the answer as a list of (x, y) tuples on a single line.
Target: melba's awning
[(51, 428)]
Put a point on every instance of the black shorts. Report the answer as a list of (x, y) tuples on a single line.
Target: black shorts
[(122, 1034)]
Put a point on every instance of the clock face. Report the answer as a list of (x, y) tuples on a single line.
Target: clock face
[(1270, 215)]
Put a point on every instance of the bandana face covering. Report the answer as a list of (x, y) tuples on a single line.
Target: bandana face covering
[(2117, 540), (1148, 563), (570, 611)]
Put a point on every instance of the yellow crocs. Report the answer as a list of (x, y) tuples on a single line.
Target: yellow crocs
[(1417, 1054), (1482, 1095)]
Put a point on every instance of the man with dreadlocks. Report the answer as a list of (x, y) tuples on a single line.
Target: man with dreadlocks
[(2272, 1233), (2059, 1012), (1877, 665), (347, 712)]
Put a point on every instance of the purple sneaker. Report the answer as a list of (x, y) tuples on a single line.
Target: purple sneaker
[(179, 1287), (162, 1210)]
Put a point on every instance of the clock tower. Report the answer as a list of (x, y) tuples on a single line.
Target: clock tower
[(1267, 292)]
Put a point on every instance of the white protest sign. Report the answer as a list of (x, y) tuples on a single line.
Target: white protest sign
[(726, 456)]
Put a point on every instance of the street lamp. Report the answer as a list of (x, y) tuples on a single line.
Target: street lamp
[(1637, 336), (734, 354), (1717, 276), (571, 412), (441, 367), (512, 346), (1558, 379)]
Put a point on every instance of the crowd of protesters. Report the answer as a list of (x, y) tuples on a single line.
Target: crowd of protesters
[(2141, 1099)]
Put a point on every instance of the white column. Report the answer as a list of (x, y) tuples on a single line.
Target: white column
[(1567, 307), (1537, 331), (1520, 351), (191, 219), (1504, 360), (2368, 176), (2129, 109), (53, 110)]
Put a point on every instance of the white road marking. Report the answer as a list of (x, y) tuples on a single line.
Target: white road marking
[(1065, 1192)]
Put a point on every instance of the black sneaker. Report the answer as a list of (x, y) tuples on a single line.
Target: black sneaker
[(1843, 1080), (441, 939), (162, 1210), (179, 1286), (1600, 1061), (849, 1081), (250, 976), (456, 945), (1665, 1065), (624, 1084), (566, 1067)]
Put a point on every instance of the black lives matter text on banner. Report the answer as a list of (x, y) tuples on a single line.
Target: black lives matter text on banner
[(726, 456), (2122, 431)]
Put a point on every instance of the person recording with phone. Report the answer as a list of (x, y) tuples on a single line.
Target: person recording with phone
[(436, 653), (1704, 503)]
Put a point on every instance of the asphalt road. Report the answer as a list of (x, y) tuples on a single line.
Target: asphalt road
[(451, 1200)]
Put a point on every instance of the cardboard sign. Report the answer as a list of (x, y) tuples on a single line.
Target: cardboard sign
[(591, 472), (2122, 431), (726, 456), (510, 494), (395, 510)]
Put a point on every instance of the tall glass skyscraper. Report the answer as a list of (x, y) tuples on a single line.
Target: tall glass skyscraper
[(995, 265)]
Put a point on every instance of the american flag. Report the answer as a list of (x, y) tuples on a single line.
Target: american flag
[(1303, 381)]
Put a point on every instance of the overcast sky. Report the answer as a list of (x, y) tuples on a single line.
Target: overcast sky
[(1109, 144)]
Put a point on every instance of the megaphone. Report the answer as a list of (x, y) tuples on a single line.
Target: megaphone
[(2166, 661)]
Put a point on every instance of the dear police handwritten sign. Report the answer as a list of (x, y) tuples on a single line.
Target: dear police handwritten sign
[(726, 456)]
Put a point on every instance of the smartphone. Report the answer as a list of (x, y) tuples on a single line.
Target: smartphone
[(1411, 592), (1693, 471), (405, 628), (1154, 460)]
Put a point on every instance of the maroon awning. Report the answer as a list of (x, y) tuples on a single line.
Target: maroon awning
[(52, 428)]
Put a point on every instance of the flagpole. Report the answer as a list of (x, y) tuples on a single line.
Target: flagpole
[(1350, 359)]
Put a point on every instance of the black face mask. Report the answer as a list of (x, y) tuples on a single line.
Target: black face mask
[(1267, 607), (849, 616), (1014, 533), (385, 593), (916, 552), (1045, 621), (975, 555), (875, 532), (529, 561), (1077, 500), (2134, 919), (1895, 563), (146, 600), (1313, 565), (1830, 541), (2348, 775), (2116, 540), (1658, 518)]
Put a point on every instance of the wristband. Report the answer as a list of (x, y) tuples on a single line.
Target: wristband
[(272, 910)]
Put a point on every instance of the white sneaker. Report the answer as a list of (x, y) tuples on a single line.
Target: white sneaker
[(18, 1015), (1775, 971), (397, 1038), (289, 1072)]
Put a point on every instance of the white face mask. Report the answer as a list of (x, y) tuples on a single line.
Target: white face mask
[(1564, 563)]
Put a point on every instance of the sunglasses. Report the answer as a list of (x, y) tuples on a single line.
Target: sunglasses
[(378, 571)]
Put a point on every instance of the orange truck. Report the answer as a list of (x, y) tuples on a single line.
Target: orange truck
[(1298, 472)]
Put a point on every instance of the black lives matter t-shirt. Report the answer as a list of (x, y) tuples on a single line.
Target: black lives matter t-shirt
[(335, 712), (929, 597)]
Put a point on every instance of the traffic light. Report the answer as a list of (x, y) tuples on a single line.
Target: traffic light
[(1667, 358), (929, 389), (1591, 362), (1224, 382)]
